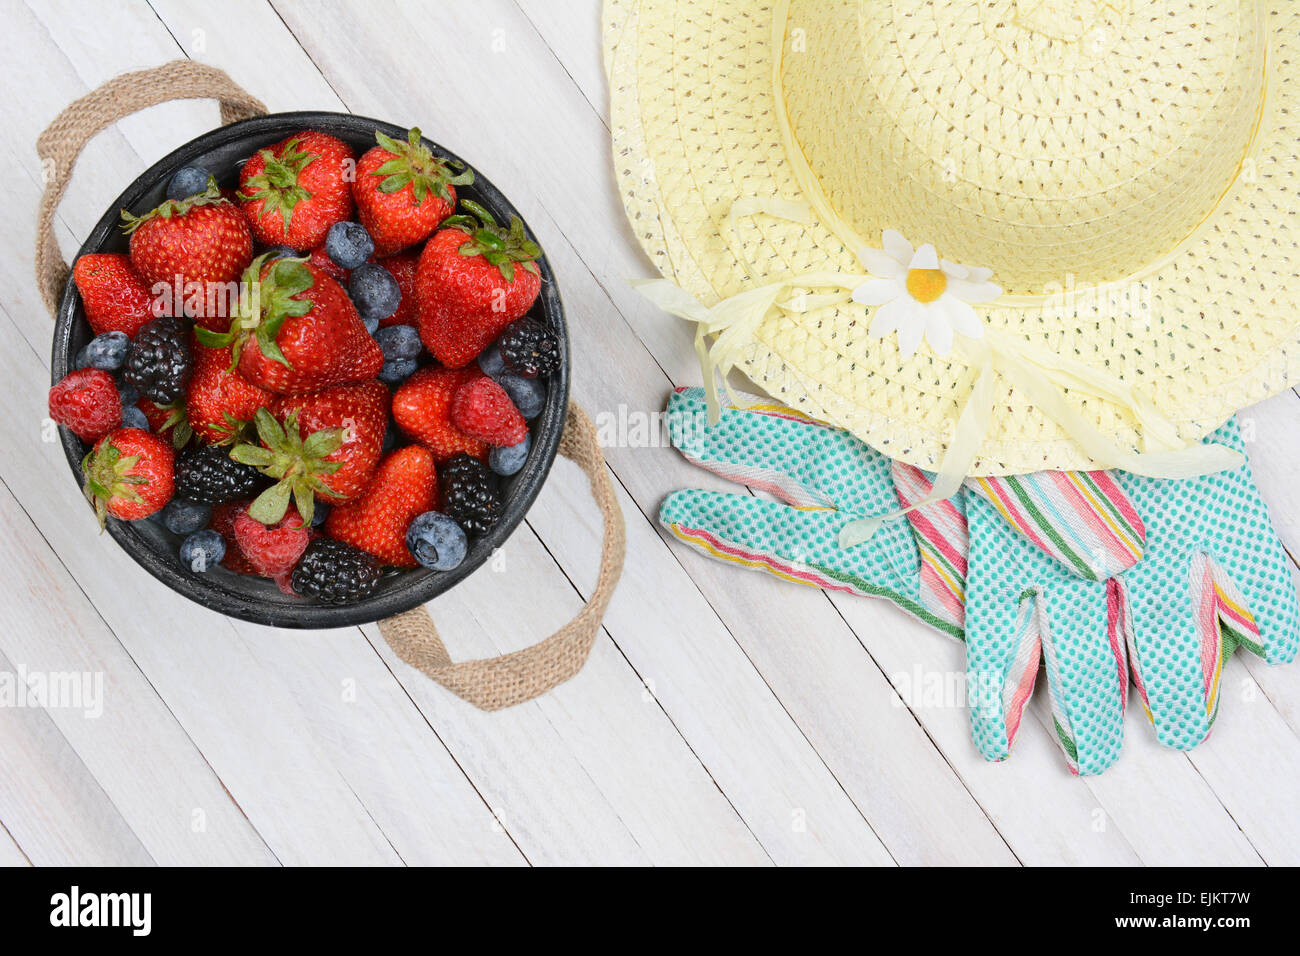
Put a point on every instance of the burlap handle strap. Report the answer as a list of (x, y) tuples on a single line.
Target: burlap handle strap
[(489, 684), (61, 143), (497, 682)]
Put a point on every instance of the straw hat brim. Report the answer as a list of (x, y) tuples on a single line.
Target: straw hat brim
[(691, 110)]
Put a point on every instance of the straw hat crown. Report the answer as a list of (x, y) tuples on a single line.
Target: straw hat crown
[(1053, 141)]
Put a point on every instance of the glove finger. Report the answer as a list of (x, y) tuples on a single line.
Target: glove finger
[(1003, 648), (796, 544), (1020, 604), (1176, 649), (1082, 519), (801, 461)]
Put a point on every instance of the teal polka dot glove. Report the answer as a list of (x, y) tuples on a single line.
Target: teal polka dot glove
[(823, 478), (1063, 570)]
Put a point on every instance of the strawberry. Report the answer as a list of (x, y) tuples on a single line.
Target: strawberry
[(422, 410), (404, 486), (482, 409), (292, 192), (115, 297), (402, 267), (271, 549), (297, 331), (403, 191), (323, 445), (322, 261), (168, 422), (197, 248), (129, 474), (87, 402), (467, 286), (223, 522), (219, 400)]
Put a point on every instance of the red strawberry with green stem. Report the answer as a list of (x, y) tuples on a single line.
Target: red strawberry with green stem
[(405, 485), (129, 474), (403, 191), (115, 297), (292, 192), (474, 278), (326, 446), (221, 402), (203, 243), (422, 410), (297, 331)]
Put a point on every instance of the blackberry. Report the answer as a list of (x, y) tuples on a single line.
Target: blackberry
[(470, 494), (333, 572), (209, 476), (529, 349), (159, 362)]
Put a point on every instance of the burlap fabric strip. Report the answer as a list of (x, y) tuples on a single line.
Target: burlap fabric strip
[(490, 683)]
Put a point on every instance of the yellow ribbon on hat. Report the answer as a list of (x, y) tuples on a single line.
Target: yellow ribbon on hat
[(1042, 375)]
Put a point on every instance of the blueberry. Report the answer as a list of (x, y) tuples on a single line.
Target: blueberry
[(318, 514), (508, 461), (396, 371), (392, 438), (132, 417), (528, 394), (491, 362), (202, 550), (182, 516), (106, 352), (399, 342), (436, 540), (374, 291), (280, 252), (349, 245), (187, 181), (128, 392)]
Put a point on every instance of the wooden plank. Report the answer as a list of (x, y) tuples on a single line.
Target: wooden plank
[(172, 800), (51, 803), (11, 853)]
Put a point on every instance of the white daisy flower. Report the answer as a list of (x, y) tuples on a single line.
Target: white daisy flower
[(920, 296)]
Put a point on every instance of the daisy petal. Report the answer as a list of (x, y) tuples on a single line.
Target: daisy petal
[(964, 320), (938, 325), (881, 263), (954, 271), (974, 292), (878, 291), (911, 328), (897, 247), (979, 274), (925, 258), (887, 317)]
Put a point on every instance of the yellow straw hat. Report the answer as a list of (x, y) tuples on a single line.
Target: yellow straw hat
[(987, 237)]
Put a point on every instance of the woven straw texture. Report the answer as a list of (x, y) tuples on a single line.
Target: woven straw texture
[(1151, 147)]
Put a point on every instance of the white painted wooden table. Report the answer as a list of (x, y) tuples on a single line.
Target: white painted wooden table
[(724, 717)]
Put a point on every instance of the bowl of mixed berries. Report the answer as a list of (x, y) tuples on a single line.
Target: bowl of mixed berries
[(311, 369)]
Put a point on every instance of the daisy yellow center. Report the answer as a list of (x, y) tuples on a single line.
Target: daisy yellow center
[(926, 285)]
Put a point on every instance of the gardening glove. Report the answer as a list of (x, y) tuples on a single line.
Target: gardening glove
[(826, 479), (1166, 597)]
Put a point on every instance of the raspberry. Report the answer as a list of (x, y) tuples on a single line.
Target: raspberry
[(87, 401), (274, 550)]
